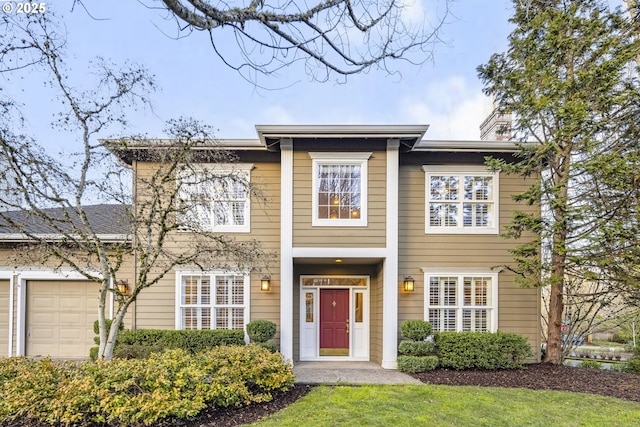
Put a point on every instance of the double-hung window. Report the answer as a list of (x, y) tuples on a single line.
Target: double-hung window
[(461, 300), (212, 301), (339, 189), (216, 198), (461, 200)]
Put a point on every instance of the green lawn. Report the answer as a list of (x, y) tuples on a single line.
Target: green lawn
[(418, 405)]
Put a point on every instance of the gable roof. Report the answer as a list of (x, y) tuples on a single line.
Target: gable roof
[(110, 222)]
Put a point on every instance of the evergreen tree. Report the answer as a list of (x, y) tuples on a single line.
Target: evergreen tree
[(570, 80)]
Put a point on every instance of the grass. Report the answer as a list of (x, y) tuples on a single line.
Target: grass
[(412, 405)]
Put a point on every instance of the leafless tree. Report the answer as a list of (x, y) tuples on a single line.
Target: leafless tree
[(341, 37), (57, 196)]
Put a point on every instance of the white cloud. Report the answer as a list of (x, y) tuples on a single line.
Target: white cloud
[(451, 108)]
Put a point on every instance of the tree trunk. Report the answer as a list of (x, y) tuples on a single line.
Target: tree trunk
[(554, 326)]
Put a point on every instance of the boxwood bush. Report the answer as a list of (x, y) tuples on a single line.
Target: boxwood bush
[(416, 348), (416, 330), (261, 330), (173, 384), (140, 343), (414, 364), (481, 350)]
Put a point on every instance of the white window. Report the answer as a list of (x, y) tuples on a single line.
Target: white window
[(212, 301), (217, 198), (340, 189), (461, 300), (461, 200)]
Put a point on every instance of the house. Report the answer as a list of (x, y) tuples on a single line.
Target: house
[(371, 225)]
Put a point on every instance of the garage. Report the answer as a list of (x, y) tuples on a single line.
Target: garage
[(59, 318), (4, 317)]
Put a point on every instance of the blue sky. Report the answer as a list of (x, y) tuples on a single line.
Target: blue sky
[(444, 93)]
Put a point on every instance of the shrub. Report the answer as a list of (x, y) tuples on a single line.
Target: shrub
[(272, 347), (173, 384), (142, 342), (261, 330), (415, 364), (416, 330), (590, 364), (481, 350), (633, 364), (416, 348)]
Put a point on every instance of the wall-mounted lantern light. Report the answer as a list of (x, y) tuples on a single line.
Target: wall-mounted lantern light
[(407, 286), (265, 284), (123, 287)]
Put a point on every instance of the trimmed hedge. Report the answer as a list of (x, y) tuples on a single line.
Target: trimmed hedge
[(415, 364), (415, 348), (140, 343), (173, 384), (481, 350), (261, 330), (416, 330)]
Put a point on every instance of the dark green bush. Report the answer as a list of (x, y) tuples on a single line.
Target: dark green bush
[(416, 348), (416, 330), (261, 330), (142, 342), (272, 347), (138, 392), (414, 364), (481, 350), (633, 364)]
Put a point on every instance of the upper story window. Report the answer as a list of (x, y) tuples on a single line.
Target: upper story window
[(461, 199), (217, 197), (461, 301), (340, 189)]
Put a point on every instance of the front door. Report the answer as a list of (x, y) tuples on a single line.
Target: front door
[(334, 322)]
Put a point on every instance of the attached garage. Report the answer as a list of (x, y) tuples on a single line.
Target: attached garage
[(4, 317), (59, 318)]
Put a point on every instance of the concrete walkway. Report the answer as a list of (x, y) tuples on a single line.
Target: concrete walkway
[(348, 373)]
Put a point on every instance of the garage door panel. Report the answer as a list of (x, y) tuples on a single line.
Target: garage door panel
[(4, 317), (60, 316)]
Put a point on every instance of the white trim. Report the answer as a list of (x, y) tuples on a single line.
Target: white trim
[(338, 252), (468, 170), (21, 237), (286, 249), (390, 273), (332, 158), (310, 335), (460, 273), (4, 275)]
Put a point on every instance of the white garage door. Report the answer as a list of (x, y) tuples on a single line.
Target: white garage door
[(4, 317), (60, 316)]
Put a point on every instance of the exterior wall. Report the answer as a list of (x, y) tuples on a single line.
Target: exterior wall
[(4, 317), (304, 235), (156, 305), (376, 314), (518, 308)]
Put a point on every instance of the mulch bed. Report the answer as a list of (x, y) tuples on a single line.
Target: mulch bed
[(536, 377)]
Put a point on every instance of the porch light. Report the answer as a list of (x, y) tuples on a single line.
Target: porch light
[(123, 287), (265, 284), (407, 286)]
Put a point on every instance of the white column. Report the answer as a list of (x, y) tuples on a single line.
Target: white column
[(390, 286), (286, 248)]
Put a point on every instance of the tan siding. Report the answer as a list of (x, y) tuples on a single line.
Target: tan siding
[(518, 308), (305, 235), (376, 292), (156, 306), (4, 317)]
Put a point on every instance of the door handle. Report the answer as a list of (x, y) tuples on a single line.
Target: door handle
[(347, 326)]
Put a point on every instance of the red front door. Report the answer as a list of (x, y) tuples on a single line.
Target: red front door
[(334, 322)]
